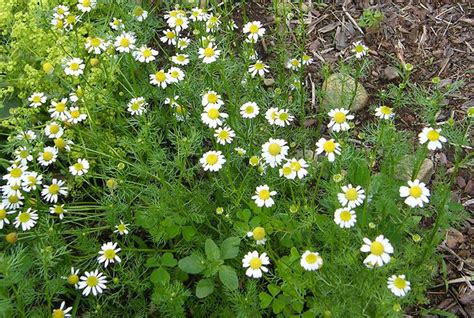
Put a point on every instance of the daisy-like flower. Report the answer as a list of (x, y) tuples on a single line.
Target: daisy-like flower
[(255, 264), (180, 59), (80, 168), (70, 21), (75, 116), (345, 217), (416, 193), (86, 5), (212, 117), (3, 215), (254, 30), (287, 172), (23, 155), (311, 261), (47, 156), (178, 23), (240, 151), (57, 23), (63, 144), (53, 130), (61, 11), (95, 45), (27, 135), (183, 43), (175, 74), (263, 196), (351, 197), (145, 54), (258, 234), (73, 278), (271, 115), (249, 110), (379, 251), (209, 54), (26, 219), (274, 151), (339, 118), (258, 68), (384, 112), (50, 193), (231, 25), (31, 181), (306, 59), (359, 49), (213, 23), (92, 282), (108, 254), (283, 118), (14, 174), (58, 210), (198, 14), (37, 99), (74, 66), (299, 167), (329, 147), (139, 13), (125, 42), (293, 64), (224, 135), (398, 285), (116, 24), (136, 106), (211, 98), (212, 160), (121, 228), (160, 79), (432, 136), (13, 201), (62, 311), (169, 37), (174, 13), (11, 189), (58, 109)]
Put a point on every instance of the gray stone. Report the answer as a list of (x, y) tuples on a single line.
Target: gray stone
[(339, 90), (406, 166)]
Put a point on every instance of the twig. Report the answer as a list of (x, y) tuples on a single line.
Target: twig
[(354, 22)]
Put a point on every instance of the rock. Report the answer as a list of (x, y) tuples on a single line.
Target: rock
[(469, 189), (268, 81), (405, 169), (390, 73), (460, 182), (454, 238), (338, 92)]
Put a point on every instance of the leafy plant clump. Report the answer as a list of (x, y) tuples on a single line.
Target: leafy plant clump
[(371, 18), (156, 162)]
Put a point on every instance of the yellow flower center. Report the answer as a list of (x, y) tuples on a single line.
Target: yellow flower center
[(160, 76), (71, 19), (53, 189), (13, 199), (179, 21), (255, 263), (60, 107), (258, 233), (3, 214), (209, 52), (58, 313), (433, 135), (147, 52), (254, 160), (416, 192), (54, 129), (109, 254), (170, 35), (24, 217), (399, 283), (36, 99), (138, 11), (213, 113), (359, 48), (121, 227), (59, 143), (295, 165), (295, 62), (224, 134), (16, 173), (124, 42), (86, 3), (212, 98), (259, 66), (385, 110), (351, 194), (253, 28), (48, 155), (95, 42), (274, 149), (58, 209), (264, 194), (249, 109), (75, 114), (31, 180), (24, 154), (283, 116), (135, 106), (181, 58), (78, 166), (92, 281), (339, 117), (212, 159), (74, 66), (345, 216), (377, 248), (311, 258), (329, 146), (286, 170), (73, 279), (175, 74)]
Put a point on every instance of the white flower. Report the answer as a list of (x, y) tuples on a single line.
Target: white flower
[(23, 155), (384, 112), (287, 172), (398, 285), (58, 210), (258, 234), (254, 30), (271, 115), (379, 251), (74, 66), (299, 167), (416, 193), (345, 217), (175, 74), (169, 37), (53, 130), (433, 137), (86, 5), (125, 42), (339, 118), (249, 110), (73, 278), (209, 54), (183, 43), (283, 118), (145, 54), (11, 189), (293, 64), (27, 135), (178, 23), (63, 144), (351, 197), (212, 116), (121, 228), (263, 196), (224, 135), (212, 160), (160, 79), (212, 23), (95, 45), (3, 215), (136, 106), (211, 98), (329, 147), (61, 11), (70, 21), (14, 174), (26, 219), (359, 49), (108, 254), (80, 168), (258, 68), (274, 151), (37, 99), (31, 181), (307, 59), (180, 59), (240, 151), (61, 311), (75, 116), (311, 261), (198, 14), (116, 24), (139, 13), (92, 282), (12, 201), (58, 109), (51, 192), (255, 264), (47, 156)]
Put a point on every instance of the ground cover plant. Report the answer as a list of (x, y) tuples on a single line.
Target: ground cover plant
[(157, 162)]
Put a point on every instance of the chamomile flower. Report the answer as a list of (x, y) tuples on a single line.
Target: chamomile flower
[(398, 285), (384, 112), (224, 135), (74, 66), (26, 219), (271, 115), (329, 147), (23, 155), (263, 196), (58, 109), (62, 311), (75, 116), (108, 254), (212, 161), (293, 64), (125, 42), (121, 228), (299, 167), (254, 30), (433, 137), (178, 23), (379, 250), (95, 45), (180, 59), (211, 98), (175, 74), (212, 116), (53, 130), (255, 264), (58, 210), (160, 79), (37, 99), (63, 144), (70, 21), (345, 217), (416, 193), (61, 11), (94, 282), (183, 43), (13, 201), (249, 110), (73, 277), (57, 23), (287, 172), (80, 168), (198, 14), (258, 234), (14, 174), (145, 54), (350, 196), (274, 151), (339, 118), (86, 5), (31, 181), (169, 37), (47, 156), (311, 261), (26, 135), (136, 106), (209, 54), (116, 24), (139, 13), (4, 211), (213, 23), (240, 151), (306, 59), (283, 118), (259, 68), (10, 189), (359, 49), (50, 193)]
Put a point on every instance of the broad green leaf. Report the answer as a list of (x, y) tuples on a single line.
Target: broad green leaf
[(244, 215), (191, 264), (168, 260), (265, 300), (230, 247), (228, 277), (212, 251), (152, 262), (204, 288), (160, 276), (188, 232), (274, 289)]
